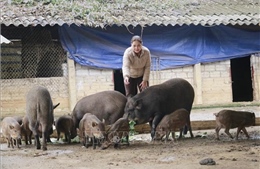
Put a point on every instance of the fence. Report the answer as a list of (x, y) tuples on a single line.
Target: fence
[(33, 58)]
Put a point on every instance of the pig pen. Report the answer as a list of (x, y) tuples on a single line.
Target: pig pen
[(142, 153)]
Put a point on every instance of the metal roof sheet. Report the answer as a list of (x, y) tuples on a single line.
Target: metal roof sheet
[(131, 12)]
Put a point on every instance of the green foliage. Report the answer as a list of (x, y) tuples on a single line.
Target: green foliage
[(124, 140), (132, 128)]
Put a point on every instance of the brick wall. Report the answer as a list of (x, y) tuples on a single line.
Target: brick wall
[(90, 81), (216, 83), (14, 91), (212, 85)]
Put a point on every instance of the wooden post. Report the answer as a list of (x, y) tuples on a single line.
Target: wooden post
[(72, 83), (255, 72), (198, 83)]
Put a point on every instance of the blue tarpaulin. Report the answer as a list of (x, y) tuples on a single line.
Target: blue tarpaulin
[(170, 46)]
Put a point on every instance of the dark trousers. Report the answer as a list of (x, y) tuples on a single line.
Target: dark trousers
[(131, 89)]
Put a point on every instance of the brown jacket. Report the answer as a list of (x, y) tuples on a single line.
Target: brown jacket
[(134, 66)]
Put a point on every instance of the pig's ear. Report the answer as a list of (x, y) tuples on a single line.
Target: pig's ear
[(11, 127), (139, 104), (94, 124), (252, 114), (107, 128)]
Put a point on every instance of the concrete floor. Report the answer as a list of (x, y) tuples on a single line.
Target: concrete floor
[(198, 114)]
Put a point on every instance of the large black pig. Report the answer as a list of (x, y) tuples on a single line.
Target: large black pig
[(107, 105), (156, 101), (39, 111)]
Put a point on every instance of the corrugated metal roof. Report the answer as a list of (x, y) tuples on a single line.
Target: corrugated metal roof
[(132, 12)]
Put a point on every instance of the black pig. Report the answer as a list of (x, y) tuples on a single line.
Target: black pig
[(156, 101)]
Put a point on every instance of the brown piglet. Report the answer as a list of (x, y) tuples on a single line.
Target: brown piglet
[(230, 119), (64, 124), (171, 122), (91, 128), (116, 132)]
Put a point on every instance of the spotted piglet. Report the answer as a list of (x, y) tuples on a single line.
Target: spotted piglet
[(91, 129), (116, 132), (230, 119), (172, 122), (11, 130)]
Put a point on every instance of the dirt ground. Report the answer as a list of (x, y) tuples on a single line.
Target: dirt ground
[(185, 153), (182, 154)]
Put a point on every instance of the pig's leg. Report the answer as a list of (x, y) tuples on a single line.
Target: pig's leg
[(44, 140), (155, 122), (189, 127), (181, 131), (26, 138), (173, 135), (37, 141), (227, 132), (87, 141), (58, 135), (167, 136), (69, 137), (30, 137), (48, 138), (244, 130), (238, 131), (8, 142), (36, 138), (93, 142), (127, 139), (217, 129), (17, 142), (66, 136), (12, 142)]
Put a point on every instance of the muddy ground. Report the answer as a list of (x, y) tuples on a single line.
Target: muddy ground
[(142, 153)]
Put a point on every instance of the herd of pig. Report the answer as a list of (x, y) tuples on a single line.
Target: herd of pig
[(102, 119)]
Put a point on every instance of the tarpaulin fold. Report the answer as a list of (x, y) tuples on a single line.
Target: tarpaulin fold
[(170, 46)]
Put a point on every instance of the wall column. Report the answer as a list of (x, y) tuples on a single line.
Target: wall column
[(255, 69), (72, 83), (198, 83)]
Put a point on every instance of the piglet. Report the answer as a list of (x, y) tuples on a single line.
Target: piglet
[(91, 128), (116, 132), (230, 119), (26, 132), (64, 124), (11, 131), (171, 122)]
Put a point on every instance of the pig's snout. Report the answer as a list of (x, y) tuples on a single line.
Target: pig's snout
[(99, 136)]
